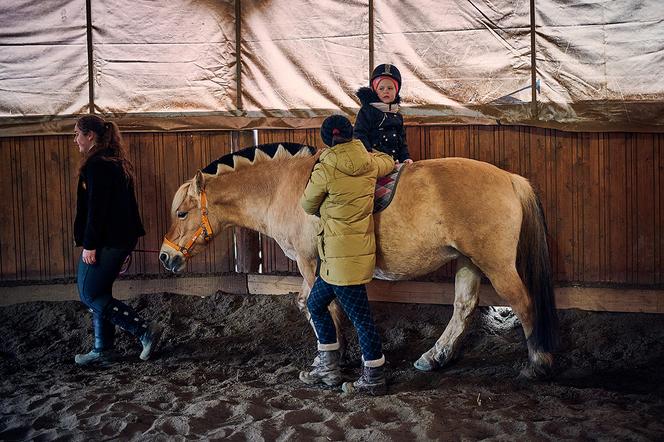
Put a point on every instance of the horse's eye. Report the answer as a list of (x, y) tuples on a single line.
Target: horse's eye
[(182, 215)]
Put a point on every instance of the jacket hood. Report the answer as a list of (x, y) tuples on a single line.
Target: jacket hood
[(368, 96), (350, 158)]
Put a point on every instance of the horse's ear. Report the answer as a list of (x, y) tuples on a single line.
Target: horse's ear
[(199, 182)]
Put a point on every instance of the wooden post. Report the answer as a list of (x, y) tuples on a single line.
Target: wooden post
[(248, 245)]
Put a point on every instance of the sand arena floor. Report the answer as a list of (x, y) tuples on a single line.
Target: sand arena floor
[(228, 368)]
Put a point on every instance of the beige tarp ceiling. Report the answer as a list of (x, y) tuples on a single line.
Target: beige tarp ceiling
[(177, 64)]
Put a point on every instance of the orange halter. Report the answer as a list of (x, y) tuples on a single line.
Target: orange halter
[(205, 229)]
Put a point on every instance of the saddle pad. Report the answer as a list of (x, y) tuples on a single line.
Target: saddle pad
[(385, 188)]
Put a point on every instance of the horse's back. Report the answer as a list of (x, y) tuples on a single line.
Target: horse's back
[(443, 207)]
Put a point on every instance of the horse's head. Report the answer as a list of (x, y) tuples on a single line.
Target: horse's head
[(190, 229)]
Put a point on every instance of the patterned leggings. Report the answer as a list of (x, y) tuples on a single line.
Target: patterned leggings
[(354, 302)]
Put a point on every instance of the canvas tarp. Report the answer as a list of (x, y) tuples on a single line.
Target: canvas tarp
[(178, 65)]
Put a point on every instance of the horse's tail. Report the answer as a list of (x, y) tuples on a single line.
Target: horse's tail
[(534, 266)]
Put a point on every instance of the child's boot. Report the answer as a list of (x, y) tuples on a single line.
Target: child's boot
[(372, 380), (326, 370)]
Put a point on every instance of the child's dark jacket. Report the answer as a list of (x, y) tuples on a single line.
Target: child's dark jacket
[(379, 128)]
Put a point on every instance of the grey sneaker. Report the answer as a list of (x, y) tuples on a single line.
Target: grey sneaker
[(372, 381), (95, 358), (326, 370), (150, 340)]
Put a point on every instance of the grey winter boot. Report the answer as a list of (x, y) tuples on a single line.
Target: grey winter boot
[(372, 382), (150, 340), (95, 357), (102, 352), (325, 372)]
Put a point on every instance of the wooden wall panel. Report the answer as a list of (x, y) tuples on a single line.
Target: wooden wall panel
[(39, 191), (601, 193)]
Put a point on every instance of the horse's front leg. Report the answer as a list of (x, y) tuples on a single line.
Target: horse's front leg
[(308, 270), (466, 297)]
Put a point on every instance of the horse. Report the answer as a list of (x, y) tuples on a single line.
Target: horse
[(489, 220)]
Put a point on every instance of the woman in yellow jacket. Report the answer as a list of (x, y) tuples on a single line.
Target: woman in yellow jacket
[(341, 190)]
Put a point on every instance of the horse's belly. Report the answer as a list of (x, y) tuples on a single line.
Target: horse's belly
[(400, 266)]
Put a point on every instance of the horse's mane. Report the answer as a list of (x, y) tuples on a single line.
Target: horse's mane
[(246, 157), (252, 155)]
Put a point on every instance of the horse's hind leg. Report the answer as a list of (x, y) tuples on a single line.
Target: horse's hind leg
[(466, 296), (510, 287)]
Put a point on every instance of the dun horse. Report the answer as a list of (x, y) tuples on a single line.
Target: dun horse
[(488, 219)]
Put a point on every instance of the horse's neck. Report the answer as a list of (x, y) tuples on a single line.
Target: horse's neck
[(264, 197)]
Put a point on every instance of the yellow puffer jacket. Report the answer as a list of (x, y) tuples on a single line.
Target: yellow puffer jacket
[(341, 188)]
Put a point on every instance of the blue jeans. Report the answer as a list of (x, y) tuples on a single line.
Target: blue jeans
[(95, 282), (95, 289), (354, 302)]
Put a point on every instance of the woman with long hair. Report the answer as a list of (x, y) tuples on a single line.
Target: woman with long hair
[(107, 226)]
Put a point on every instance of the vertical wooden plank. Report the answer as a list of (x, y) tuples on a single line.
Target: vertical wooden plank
[(645, 209), (433, 142), (461, 146), (630, 191), (509, 148), (565, 207), (617, 208), (590, 206), (414, 138), (132, 142), (534, 140), (150, 200), (541, 169), (29, 209), (70, 180), (8, 216), (41, 217), (54, 217), (487, 144)]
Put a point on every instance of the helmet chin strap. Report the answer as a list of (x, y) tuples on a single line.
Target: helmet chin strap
[(204, 229)]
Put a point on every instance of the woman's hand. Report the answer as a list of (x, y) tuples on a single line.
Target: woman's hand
[(408, 161), (89, 256)]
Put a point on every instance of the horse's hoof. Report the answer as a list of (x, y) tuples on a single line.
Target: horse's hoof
[(425, 364)]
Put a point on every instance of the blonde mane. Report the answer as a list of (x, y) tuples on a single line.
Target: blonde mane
[(253, 155)]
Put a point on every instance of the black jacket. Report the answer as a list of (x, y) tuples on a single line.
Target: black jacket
[(106, 208), (380, 130)]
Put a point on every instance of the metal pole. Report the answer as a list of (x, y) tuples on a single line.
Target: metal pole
[(371, 37), (91, 79), (238, 54), (533, 63)]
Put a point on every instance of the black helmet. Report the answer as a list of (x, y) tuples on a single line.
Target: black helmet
[(336, 129), (387, 70)]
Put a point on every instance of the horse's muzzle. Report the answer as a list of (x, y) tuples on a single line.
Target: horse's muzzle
[(172, 264)]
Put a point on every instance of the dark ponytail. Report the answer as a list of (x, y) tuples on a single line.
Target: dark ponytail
[(108, 143)]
